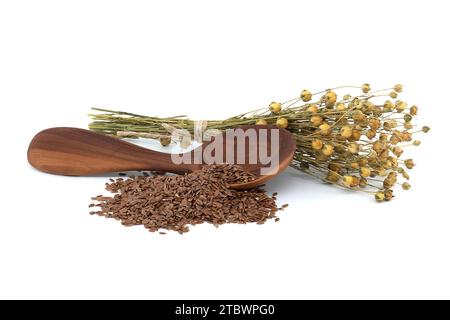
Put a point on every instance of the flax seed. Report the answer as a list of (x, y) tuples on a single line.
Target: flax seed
[(171, 202)]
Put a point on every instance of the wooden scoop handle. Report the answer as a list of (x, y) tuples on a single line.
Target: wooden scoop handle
[(76, 152)]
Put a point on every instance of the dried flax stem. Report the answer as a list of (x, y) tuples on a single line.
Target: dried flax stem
[(132, 134)]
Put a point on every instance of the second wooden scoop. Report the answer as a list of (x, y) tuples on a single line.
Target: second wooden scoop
[(79, 152)]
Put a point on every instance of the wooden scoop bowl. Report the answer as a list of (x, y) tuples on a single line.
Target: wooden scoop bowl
[(79, 152)]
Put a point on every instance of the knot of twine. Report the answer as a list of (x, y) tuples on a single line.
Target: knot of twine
[(201, 133)]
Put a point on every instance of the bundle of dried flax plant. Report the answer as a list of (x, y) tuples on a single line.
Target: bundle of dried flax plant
[(352, 141)]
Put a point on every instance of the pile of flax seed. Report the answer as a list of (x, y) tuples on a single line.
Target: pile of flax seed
[(173, 202)]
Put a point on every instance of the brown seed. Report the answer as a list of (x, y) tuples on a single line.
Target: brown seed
[(172, 202)]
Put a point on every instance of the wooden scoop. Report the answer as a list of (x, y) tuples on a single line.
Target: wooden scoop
[(79, 152)]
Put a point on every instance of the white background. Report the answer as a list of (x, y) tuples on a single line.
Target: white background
[(212, 59)]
